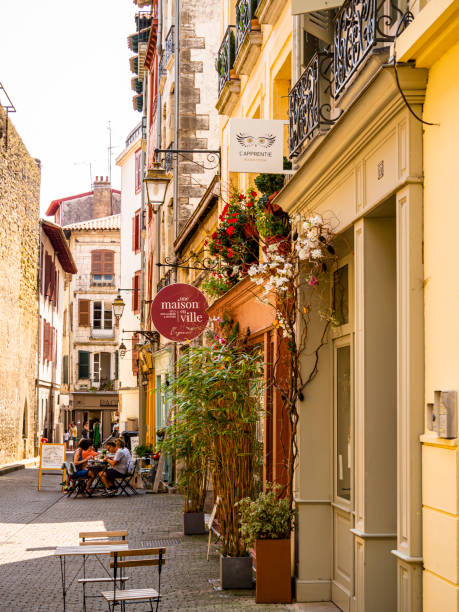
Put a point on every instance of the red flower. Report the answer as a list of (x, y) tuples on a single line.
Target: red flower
[(215, 235), (241, 196), (230, 252), (253, 194), (230, 230), (249, 204)]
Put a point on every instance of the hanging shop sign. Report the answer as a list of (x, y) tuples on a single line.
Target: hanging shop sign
[(256, 145), (179, 312)]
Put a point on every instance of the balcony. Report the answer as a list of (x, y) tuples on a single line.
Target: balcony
[(166, 280), (249, 37), (361, 26), (269, 11), (229, 86), (309, 103), (169, 48)]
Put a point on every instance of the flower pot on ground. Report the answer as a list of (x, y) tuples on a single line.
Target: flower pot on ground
[(274, 571), (194, 523), (236, 572), (267, 522)]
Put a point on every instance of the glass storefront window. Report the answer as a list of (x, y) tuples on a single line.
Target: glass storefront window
[(343, 421)]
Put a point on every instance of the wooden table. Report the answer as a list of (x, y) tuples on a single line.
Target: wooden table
[(81, 551)]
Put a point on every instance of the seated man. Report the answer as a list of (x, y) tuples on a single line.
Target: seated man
[(119, 466)]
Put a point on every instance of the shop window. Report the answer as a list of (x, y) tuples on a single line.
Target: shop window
[(343, 421)]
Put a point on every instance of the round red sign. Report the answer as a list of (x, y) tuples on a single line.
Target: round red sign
[(179, 312)]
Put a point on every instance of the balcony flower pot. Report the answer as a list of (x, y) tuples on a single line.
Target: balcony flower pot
[(193, 523), (236, 572), (274, 580)]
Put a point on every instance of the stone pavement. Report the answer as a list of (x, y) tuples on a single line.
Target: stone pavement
[(32, 523)]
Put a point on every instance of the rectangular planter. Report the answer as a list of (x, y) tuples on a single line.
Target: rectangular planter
[(193, 523), (274, 574), (236, 572)]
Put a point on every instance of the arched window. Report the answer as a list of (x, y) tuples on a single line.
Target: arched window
[(102, 268)]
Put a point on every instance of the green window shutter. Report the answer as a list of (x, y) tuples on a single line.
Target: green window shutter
[(116, 364), (65, 369), (83, 364)]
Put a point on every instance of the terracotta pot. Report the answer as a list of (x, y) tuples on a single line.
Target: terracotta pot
[(283, 244), (274, 574), (236, 572), (193, 523)]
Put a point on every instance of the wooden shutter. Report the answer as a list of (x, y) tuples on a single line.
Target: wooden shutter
[(45, 341), (83, 364), (40, 343), (108, 262), (83, 313), (65, 369), (135, 354), (47, 273), (138, 170), (319, 24), (42, 269), (96, 262), (136, 292)]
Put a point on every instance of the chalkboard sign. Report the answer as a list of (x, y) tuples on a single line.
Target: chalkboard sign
[(52, 456)]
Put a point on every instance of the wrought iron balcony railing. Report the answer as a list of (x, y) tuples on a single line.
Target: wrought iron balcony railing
[(245, 12), (166, 280), (360, 25), (225, 58), (309, 102), (169, 45)]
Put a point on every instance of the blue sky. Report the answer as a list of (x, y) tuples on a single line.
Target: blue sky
[(65, 66)]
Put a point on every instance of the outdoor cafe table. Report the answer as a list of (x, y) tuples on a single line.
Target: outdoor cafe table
[(82, 551)]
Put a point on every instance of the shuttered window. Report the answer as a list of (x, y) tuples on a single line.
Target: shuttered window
[(45, 341), (136, 229), (102, 262), (136, 292), (65, 369), (83, 364), (83, 313)]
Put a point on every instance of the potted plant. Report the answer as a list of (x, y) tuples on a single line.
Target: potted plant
[(185, 442), (217, 284), (217, 389), (266, 523)]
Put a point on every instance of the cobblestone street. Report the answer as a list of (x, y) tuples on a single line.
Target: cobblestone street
[(33, 523)]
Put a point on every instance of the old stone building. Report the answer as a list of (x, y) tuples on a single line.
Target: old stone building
[(19, 240)]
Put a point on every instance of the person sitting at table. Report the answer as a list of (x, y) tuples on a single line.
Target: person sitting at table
[(84, 452), (119, 465)]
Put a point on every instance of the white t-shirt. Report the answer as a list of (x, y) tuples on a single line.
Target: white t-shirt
[(123, 459)]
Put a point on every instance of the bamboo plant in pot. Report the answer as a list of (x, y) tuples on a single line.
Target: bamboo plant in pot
[(266, 523), (185, 442), (217, 388)]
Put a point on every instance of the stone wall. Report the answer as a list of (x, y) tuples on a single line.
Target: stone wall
[(19, 239)]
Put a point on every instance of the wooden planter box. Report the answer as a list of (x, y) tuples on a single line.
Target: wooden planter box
[(274, 574), (193, 523), (236, 572)]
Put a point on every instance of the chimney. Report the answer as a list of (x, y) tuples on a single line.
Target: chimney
[(102, 204)]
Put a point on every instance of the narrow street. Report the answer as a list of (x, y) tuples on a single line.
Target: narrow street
[(33, 523)]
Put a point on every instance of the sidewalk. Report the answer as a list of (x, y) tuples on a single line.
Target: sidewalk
[(32, 524)]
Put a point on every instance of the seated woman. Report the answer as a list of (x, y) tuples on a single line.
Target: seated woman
[(84, 452), (119, 465)]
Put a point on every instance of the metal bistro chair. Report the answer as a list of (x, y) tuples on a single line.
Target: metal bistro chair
[(128, 596), (124, 483), (77, 486), (100, 538)]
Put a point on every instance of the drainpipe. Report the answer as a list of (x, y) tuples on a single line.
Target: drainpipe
[(142, 395), (176, 114)]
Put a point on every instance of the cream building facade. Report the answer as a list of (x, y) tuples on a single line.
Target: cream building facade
[(131, 164), (56, 264)]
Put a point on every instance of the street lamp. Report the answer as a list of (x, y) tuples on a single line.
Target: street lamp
[(122, 349), (118, 307), (156, 182)]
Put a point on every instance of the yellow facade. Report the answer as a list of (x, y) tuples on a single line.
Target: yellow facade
[(432, 41)]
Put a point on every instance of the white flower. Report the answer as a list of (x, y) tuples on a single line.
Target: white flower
[(235, 270), (316, 253), (253, 270), (315, 220), (259, 281)]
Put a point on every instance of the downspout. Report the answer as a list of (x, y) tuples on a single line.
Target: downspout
[(176, 115), (142, 395), (157, 250)]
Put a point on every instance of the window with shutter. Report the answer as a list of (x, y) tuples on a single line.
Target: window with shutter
[(45, 341), (136, 229), (65, 369), (136, 292), (83, 364), (47, 273), (102, 267), (135, 354), (108, 262), (97, 315), (83, 313)]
